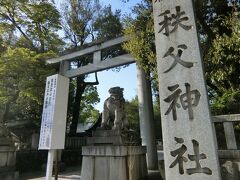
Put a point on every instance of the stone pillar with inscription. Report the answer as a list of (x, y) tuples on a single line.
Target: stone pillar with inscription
[(189, 147)]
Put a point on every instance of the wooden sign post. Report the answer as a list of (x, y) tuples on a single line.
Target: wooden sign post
[(53, 126)]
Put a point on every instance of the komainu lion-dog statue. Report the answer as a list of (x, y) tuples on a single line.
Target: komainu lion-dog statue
[(114, 115)]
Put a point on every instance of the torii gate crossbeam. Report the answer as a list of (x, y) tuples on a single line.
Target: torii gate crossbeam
[(97, 64), (144, 87)]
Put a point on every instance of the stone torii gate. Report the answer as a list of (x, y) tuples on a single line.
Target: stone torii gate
[(99, 63)]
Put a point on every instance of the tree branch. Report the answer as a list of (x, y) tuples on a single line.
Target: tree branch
[(206, 28), (93, 83)]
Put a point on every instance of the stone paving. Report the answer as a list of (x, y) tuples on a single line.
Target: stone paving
[(70, 173), (76, 174)]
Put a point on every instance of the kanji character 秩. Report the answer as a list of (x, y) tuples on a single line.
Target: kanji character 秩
[(173, 20)]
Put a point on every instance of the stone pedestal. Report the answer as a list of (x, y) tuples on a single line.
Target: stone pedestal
[(113, 137), (7, 161), (107, 157)]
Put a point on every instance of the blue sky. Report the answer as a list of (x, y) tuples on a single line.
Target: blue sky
[(116, 4), (126, 77), (119, 4)]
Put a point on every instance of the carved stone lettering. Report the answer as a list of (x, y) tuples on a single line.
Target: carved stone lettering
[(179, 154), (177, 57), (180, 159), (173, 21), (188, 100), (197, 157)]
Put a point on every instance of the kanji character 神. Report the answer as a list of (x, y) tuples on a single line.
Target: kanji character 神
[(188, 102), (186, 99)]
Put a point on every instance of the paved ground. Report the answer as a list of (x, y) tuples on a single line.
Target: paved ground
[(70, 173), (74, 173)]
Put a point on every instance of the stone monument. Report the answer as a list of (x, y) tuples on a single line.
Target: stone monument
[(188, 140), (7, 155), (113, 152)]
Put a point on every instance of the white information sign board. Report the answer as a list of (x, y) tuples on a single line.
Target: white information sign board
[(189, 147), (53, 126)]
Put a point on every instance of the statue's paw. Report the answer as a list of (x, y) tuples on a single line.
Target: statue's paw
[(101, 128), (126, 129), (115, 128)]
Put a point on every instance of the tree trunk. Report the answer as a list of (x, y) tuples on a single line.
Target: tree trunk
[(6, 112), (80, 87)]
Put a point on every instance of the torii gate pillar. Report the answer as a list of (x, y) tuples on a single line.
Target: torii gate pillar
[(146, 118)]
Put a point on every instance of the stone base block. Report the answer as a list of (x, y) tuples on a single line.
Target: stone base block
[(7, 162), (114, 163), (4, 141), (114, 140), (114, 137), (9, 175), (7, 156), (106, 133), (230, 169)]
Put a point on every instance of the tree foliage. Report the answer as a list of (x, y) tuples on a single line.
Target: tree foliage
[(108, 25), (218, 28), (89, 99), (29, 33), (22, 80), (82, 23), (78, 20), (222, 64), (132, 114), (141, 31), (141, 44), (36, 22)]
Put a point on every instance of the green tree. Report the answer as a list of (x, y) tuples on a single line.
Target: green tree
[(108, 24), (141, 44), (132, 114), (222, 63), (28, 29), (79, 18), (89, 99), (218, 26), (42, 26), (35, 23), (22, 80)]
